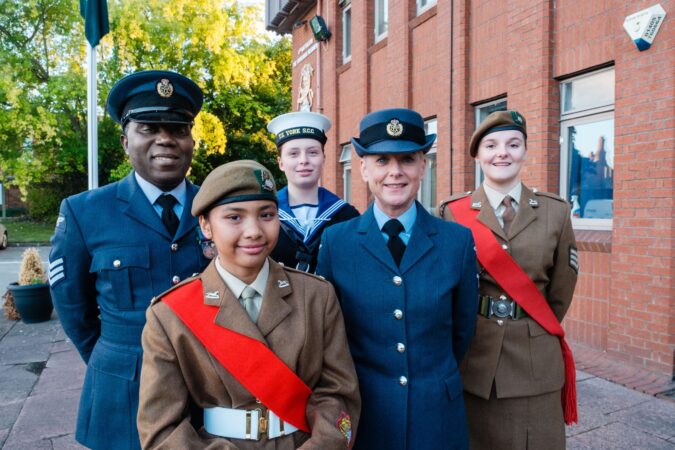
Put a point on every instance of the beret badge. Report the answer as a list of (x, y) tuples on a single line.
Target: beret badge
[(394, 128), (517, 118), (164, 88), (265, 180)]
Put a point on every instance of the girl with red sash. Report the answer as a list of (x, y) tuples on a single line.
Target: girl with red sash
[(518, 373), (248, 354)]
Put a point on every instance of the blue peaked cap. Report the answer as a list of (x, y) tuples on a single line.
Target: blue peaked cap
[(396, 130)]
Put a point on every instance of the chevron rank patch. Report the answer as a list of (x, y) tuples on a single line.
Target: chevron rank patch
[(57, 271), (574, 259)]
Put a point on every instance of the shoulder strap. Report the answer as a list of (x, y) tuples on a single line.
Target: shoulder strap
[(251, 362), (515, 282)]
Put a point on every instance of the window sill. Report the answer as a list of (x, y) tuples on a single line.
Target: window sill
[(344, 67), (423, 17), (594, 241), (378, 46)]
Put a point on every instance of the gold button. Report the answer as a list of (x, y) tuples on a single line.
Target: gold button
[(117, 263), (403, 381), (175, 279), (400, 347), (174, 247), (398, 314), (397, 280)]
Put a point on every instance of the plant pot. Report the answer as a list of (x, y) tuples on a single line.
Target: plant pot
[(34, 302)]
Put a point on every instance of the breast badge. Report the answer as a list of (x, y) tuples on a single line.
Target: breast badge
[(344, 425)]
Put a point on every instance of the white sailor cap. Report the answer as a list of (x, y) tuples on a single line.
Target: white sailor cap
[(298, 125)]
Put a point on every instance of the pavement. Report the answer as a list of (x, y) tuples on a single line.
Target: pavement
[(41, 374)]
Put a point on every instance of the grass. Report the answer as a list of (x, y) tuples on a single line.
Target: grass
[(22, 231)]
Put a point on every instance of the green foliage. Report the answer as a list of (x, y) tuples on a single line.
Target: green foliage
[(24, 231), (245, 74)]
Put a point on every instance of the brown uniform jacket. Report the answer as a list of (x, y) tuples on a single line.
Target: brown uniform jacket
[(300, 320), (519, 355)]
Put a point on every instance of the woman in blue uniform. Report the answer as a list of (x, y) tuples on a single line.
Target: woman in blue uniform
[(305, 209)]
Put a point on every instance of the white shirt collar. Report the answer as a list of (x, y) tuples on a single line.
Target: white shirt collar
[(495, 197), (237, 286), (152, 192)]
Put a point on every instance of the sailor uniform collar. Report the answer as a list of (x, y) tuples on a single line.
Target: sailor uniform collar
[(329, 205)]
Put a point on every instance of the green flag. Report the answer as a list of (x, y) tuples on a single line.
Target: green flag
[(95, 14)]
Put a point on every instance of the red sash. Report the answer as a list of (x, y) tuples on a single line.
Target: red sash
[(518, 285), (250, 361)]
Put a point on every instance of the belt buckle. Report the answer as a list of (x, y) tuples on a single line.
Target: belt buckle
[(501, 307), (263, 422)]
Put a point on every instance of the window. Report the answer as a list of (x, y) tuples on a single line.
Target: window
[(346, 161), (587, 148), (481, 112), (347, 32), (427, 192), (381, 19), (423, 5)]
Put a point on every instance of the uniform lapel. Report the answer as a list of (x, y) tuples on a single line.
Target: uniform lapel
[(372, 240), (420, 243), (137, 205), (487, 217), (231, 314), (187, 220), (526, 213), (274, 307)]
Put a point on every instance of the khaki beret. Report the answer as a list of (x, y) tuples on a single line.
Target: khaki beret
[(238, 181), (497, 121)]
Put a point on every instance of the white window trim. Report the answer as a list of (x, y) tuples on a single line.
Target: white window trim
[(423, 9), (583, 112), (432, 151), (346, 58), (565, 123), (346, 163), (478, 174), (376, 15)]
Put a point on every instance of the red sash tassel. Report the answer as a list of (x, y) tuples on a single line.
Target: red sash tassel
[(250, 361), (520, 287)]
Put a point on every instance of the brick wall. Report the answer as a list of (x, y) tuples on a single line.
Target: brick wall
[(520, 50)]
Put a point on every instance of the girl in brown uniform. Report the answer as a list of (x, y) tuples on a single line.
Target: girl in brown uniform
[(518, 362)]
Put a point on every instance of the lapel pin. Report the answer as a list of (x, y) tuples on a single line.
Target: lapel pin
[(533, 202), (213, 295), (477, 205), (282, 283)]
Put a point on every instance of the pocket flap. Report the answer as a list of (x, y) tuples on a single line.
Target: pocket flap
[(119, 258), (114, 362), (535, 328), (454, 385)]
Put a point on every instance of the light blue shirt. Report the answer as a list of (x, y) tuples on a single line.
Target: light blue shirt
[(152, 193), (407, 219)]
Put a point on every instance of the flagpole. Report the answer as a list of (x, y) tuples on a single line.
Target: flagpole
[(92, 119)]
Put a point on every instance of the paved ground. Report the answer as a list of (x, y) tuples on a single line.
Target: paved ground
[(41, 374)]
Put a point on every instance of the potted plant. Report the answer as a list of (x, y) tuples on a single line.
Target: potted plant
[(31, 294)]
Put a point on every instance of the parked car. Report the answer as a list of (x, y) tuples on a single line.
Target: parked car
[(3, 237)]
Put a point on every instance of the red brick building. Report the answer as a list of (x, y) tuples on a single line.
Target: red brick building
[(601, 133)]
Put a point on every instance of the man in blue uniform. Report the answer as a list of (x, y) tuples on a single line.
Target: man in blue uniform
[(116, 247), (407, 286)]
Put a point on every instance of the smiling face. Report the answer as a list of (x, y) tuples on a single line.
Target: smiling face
[(302, 162), (160, 153), (501, 155), (394, 179), (244, 234)]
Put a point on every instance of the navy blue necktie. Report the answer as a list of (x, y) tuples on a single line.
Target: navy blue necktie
[(396, 246), (169, 218)]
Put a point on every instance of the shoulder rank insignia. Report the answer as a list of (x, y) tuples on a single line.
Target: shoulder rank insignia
[(213, 295), (574, 259), (282, 283), (344, 425)]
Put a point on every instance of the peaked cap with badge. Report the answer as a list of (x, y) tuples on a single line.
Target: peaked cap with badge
[(299, 125), (238, 181), (395, 130), (155, 96), (497, 121)]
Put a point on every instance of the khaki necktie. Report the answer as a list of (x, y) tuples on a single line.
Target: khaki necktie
[(509, 213), (247, 300)]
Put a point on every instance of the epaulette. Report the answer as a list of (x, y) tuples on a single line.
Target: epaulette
[(549, 195), (290, 269), (444, 203), (173, 288)]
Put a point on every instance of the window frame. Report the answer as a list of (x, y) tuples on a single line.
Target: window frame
[(425, 184), (377, 12), (346, 33), (346, 163), (575, 118), (424, 8), (478, 178)]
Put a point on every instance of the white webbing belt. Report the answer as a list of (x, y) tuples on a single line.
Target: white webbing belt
[(245, 424)]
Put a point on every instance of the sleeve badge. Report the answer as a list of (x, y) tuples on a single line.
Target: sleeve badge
[(344, 425)]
